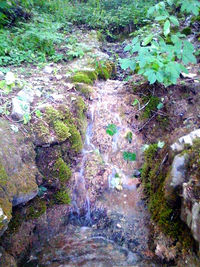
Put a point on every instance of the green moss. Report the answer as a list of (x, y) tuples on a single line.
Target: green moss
[(75, 138), (62, 197), (61, 130), (84, 90), (81, 107), (52, 114), (15, 222), (81, 78), (92, 75), (153, 177), (3, 176), (41, 130), (35, 209), (152, 105), (63, 170), (105, 69)]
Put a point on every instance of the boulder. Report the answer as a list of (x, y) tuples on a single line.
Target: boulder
[(21, 103), (18, 171)]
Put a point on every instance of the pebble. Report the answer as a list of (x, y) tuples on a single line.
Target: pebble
[(119, 225), (48, 69)]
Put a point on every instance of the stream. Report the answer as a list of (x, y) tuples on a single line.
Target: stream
[(108, 222)]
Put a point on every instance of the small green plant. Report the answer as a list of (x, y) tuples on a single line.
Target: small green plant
[(129, 156), (160, 57), (111, 129)]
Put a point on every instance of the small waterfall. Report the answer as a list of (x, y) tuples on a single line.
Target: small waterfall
[(83, 213)]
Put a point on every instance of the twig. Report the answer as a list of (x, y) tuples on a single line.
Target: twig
[(141, 108)]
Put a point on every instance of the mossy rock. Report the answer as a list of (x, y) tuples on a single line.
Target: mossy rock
[(61, 130), (62, 197), (84, 89), (81, 78), (154, 175), (63, 170), (35, 209), (105, 70)]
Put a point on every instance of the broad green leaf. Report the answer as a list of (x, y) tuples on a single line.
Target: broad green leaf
[(166, 27), (174, 20), (129, 156), (135, 40), (159, 18), (147, 40), (126, 63), (111, 129)]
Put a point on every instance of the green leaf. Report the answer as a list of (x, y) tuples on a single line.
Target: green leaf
[(166, 27), (126, 63), (160, 106), (147, 40), (174, 20), (160, 144), (38, 113), (159, 18), (111, 129), (27, 118), (135, 102), (129, 156)]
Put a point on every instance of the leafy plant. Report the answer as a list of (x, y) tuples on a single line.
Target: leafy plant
[(129, 156), (111, 129), (160, 57)]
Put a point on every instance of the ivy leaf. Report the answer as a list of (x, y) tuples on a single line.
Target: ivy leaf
[(111, 129), (129, 156), (166, 27)]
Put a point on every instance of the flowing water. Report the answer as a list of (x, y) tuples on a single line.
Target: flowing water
[(108, 224)]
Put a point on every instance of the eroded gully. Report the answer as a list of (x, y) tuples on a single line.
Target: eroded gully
[(108, 224)]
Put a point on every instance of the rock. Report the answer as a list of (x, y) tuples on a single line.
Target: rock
[(48, 69), (21, 103), (190, 210), (185, 140), (176, 177), (17, 171), (119, 226), (137, 173), (9, 78)]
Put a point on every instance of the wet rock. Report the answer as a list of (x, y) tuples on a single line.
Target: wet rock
[(137, 173), (185, 140), (176, 177), (21, 103), (17, 171)]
